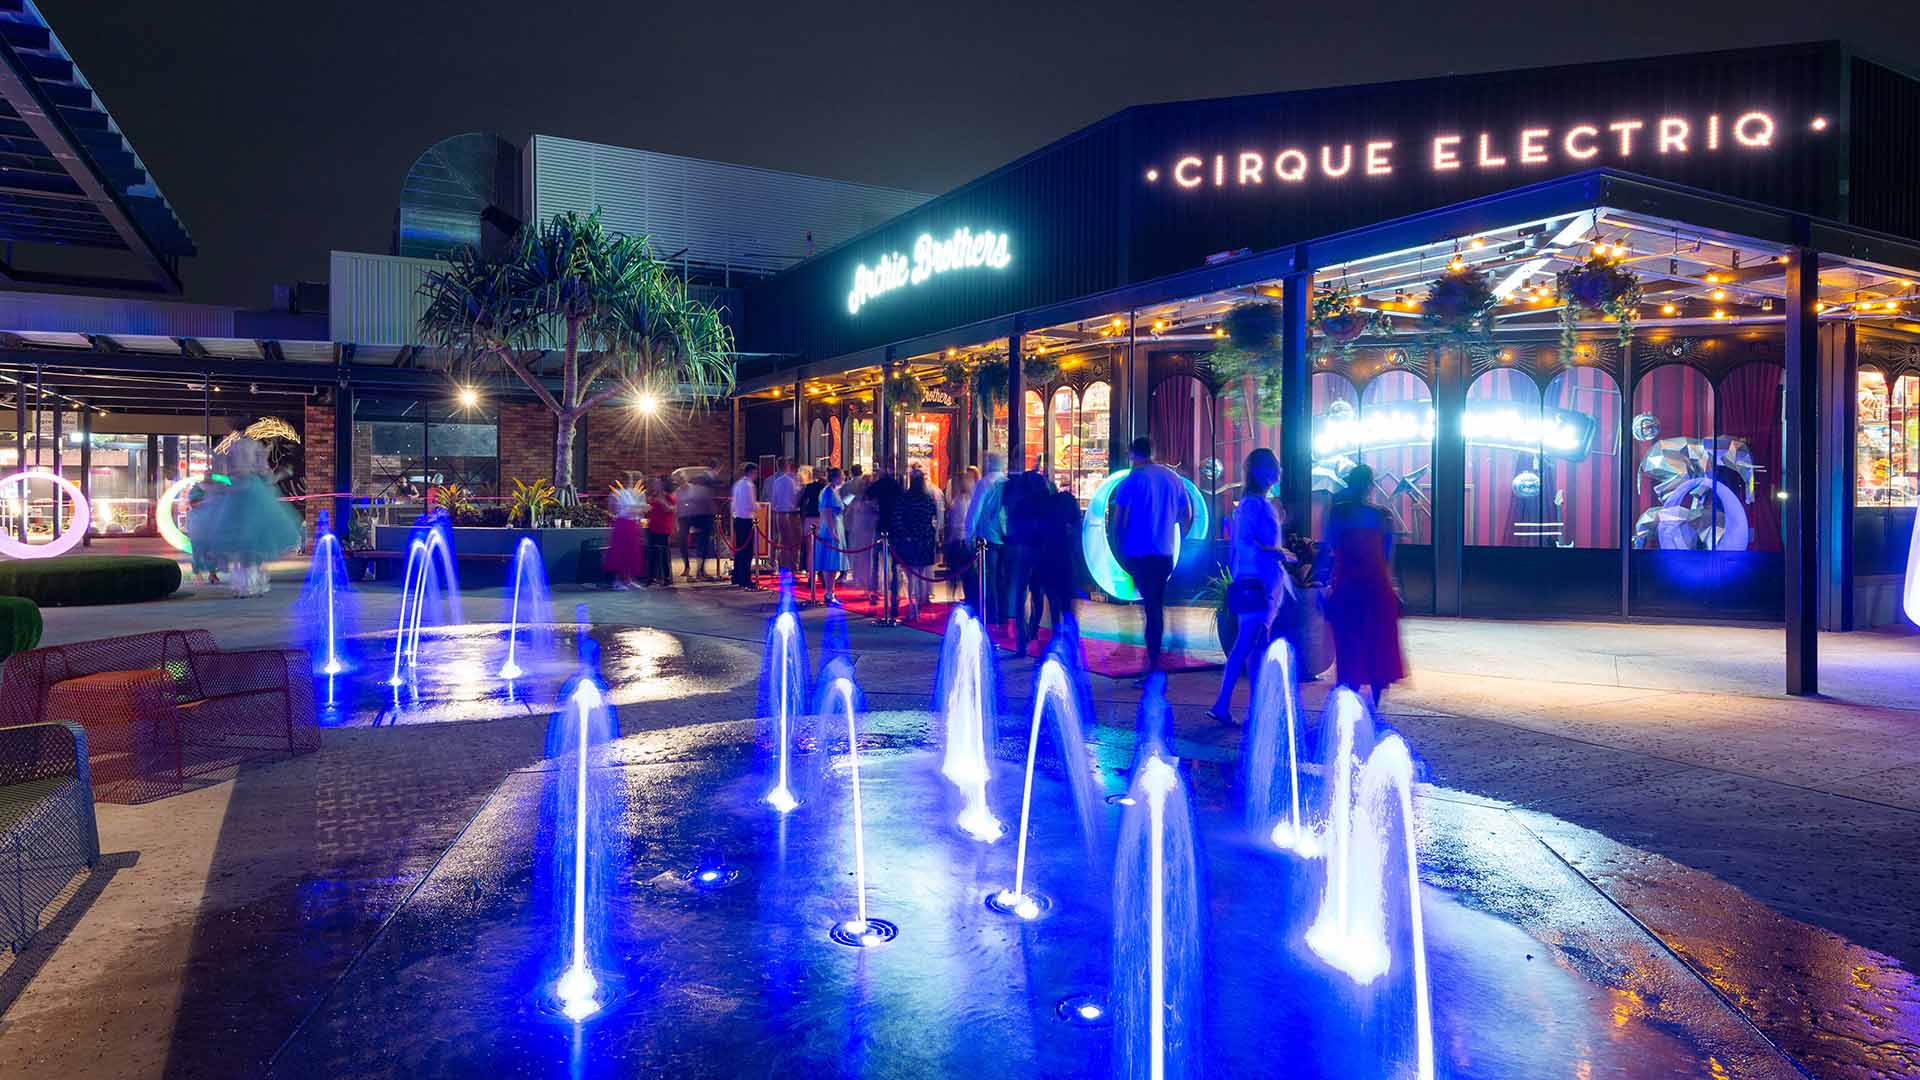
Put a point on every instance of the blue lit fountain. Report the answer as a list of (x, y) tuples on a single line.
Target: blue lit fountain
[(584, 845), (323, 622), (1271, 746), (966, 700), (430, 581), (783, 696), (1055, 694), (528, 607)]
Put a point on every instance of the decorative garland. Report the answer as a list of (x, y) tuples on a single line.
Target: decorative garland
[(1458, 304), (1596, 287)]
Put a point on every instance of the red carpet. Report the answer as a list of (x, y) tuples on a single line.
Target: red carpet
[(1110, 634)]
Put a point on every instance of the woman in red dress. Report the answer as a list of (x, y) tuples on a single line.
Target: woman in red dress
[(626, 556), (1362, 608)]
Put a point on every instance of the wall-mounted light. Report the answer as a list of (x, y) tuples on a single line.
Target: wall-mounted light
[(469, 397), (647, 403), (1667, 309)]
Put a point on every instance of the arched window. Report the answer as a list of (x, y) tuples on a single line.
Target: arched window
[(1336, 416), (1750, 407), (1506, 492), (1585, 490), (1887, 440), (1181, 424), (819, 442), (1063, 458), (1091, 436), (1396, 426), (1035, 433), (1672, 419), (860, 443)]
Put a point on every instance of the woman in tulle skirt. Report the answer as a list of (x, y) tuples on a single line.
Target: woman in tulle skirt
[(246, 525)]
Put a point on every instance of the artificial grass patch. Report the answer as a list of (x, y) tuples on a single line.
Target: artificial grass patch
[(90, 579), (19, 625)]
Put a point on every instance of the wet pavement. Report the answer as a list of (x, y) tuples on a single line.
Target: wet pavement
[(1534, 972)]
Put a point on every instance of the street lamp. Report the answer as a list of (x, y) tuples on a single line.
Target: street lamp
[(647, 404)]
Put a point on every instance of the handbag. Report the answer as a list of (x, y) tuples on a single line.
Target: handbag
[(1247, 596)]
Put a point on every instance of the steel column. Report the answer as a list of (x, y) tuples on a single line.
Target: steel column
[(1799, 525), (1296, 402), (1016, 408), (342, 458)]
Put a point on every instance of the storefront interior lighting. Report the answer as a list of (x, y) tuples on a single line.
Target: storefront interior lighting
[(1667, 309)]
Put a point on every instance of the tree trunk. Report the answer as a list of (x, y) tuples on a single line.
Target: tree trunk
[(564, 425)]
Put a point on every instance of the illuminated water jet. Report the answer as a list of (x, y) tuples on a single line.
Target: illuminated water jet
[(966, 702), (784, 652), (578, 990), (861, 931), (530, 578), (1274, 716), (429, 559)]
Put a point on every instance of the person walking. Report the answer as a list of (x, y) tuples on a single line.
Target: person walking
[(913, 532), (885, 491), (1023, 502), (861, 522), (1056, 567), (783, 494), (1257, 564), (953, 538), (1363, 611), (810, 520), (985, 522), (626, 556), (1150, 511), (831, 536), (693, 505), (659, 535), (743, 504)]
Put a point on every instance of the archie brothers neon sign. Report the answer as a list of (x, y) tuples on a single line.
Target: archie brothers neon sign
[(964, 249), (1449, 151)]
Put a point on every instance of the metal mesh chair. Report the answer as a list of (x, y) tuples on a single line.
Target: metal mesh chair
[(47, 831), (162, 707)]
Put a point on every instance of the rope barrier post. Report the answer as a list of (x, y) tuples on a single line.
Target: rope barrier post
[(980, 568), (882, 574), (813, 547)]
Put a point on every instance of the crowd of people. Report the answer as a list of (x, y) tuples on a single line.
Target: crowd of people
[(1007, 545)]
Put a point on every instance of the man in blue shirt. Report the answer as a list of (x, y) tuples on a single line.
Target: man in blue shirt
[(1150, 511)]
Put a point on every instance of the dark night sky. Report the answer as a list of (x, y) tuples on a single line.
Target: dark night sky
[(282, 130)]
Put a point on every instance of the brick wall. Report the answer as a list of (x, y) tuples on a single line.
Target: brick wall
[(526, 443), (620, 443), (317, 439)]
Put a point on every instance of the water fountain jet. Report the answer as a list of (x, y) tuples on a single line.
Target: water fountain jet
[(578, 990), (861, 931), (1155, 995), (1274, 715), (1053, 686), (966, 704), (530, 575), (785, 651), (429, 553)]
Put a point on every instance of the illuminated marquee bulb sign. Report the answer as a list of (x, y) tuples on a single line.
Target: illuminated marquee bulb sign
[(1580, 144), (963, 250)]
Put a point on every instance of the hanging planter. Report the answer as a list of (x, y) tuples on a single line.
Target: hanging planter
[(990, 383), (1596, 287), (1336, 321), (1252, 347), (1040, 369), (904, 393), (1459, 305)]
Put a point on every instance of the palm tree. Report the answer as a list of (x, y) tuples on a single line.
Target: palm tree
[(619, 317)]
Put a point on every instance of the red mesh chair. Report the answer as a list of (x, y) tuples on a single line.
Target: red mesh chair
[(165, 706)]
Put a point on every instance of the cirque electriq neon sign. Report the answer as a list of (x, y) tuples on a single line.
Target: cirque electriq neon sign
[(1551, 432), (1450, 151), (963, 250)]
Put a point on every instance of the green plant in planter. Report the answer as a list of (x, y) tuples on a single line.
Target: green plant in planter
[(904, 392), (990, 383), (1459, 304), (457, 501), (1596, 287), (530, 502), (1040, 369), (1336, 321)]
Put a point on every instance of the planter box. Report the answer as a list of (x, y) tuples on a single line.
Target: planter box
[(486, 554)]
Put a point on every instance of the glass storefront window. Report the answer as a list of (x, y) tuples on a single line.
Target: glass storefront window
[(1335, 403), (1583, 492), (1034, 435), (1092, 429), (860, 442), (404, 447), (1396, 426), (1887, 440), (1062, 420), (1507, 496), (927, 435), (1672, 428)]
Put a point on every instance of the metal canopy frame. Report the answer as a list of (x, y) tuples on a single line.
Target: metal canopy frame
[(71, 178)]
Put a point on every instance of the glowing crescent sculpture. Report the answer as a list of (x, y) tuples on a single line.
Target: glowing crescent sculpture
[(12, 548), (163, 514), (1101, 563)]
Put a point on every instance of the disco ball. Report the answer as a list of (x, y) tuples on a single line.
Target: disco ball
[(1646, 427), (1210, 470), (1340, 410), (1526, 484)]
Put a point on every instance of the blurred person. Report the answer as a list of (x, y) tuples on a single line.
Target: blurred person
[(659, 535), (1150, 511), (1056, 568), (861, 523), (961, 571), (1363, 610), (913, 532), (986, 523), (626, 557), (831, 537), (885, 491), (693, 505), (1257, 564), (1023, 502), (783, 495)]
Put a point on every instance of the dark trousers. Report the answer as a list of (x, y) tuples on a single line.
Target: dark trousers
[(1051, 584), (962, 564), (1018, 561), (743, 553), (659, 558), (995, 601), (1150, 574)]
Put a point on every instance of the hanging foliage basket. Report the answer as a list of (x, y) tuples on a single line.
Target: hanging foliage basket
[(1251, 348), (1594, 288), (1337, 321), (905, 394), (990, 383), (1040, 369), (1458, 305)]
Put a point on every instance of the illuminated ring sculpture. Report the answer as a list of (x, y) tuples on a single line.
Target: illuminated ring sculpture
[(59, 545), (163, 514), (1101, 562)]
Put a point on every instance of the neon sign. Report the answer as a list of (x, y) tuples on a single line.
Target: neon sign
[(964, 250), (1502, 425), (1582, 144), (68, 539)]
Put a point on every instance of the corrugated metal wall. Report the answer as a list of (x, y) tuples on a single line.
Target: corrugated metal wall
[(375, 299), (724, 216), (52, 312), (1884, 164)]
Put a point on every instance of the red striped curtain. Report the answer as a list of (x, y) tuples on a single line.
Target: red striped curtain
[(1589, 488), (1392, 464)]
